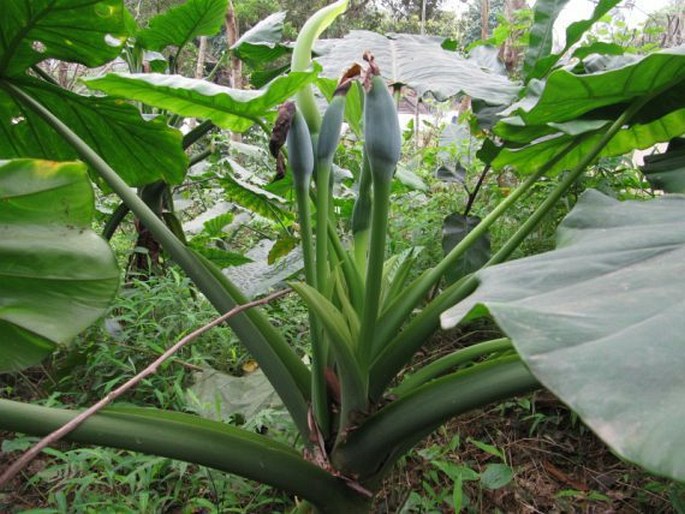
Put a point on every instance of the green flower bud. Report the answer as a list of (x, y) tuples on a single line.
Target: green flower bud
[(383, 139), (300, 153)]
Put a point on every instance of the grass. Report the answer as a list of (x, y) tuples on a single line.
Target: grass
[(147, 317)]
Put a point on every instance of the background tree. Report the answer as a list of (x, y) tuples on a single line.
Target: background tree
[(470, 23)]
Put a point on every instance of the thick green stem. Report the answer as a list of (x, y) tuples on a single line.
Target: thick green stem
[(353, 278), (405, 421), (115, 220), (374, 272), (199, 131), (361, 249), (196, 440), (400, 310), (395, 355), (451, 361), (280, 364), (194, 159), (319, 352), (361, 216), (322, 177)]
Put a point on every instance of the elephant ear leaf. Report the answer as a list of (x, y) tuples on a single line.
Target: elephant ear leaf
[(90, 33), (58, 276), (181, 24), (600, 320)]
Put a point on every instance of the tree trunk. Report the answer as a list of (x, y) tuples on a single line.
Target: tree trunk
[(232, 36), (511, 52), (484, 16)]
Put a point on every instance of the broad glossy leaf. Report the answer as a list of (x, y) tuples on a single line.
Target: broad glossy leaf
[(604, 62), (261, 44), (487, 57), (419, 62), (600, 322), (541, 36), (254, 199), (140, 151), (89, 33), (574, 32), (232, 109), (567, 96), (531, 157), (181, 24), (58, 276), (408, 178), (666, 171), (454, 229), (282, 247), (221, 258)]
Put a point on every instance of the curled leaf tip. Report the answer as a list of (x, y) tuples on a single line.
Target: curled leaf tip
[(372, 71), (345, 82)]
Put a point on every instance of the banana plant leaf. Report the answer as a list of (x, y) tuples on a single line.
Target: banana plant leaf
[(90, 33), (232, 109), (58, 276), (183, 23), (141, 151), (419, 62), (600, 322)]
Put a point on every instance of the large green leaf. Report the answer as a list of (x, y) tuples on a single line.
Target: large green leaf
[(600, 322), (571, 104), (57, 275), (261, 44), (666, 171), (541, 33), (567, 95), (532, 157), (543, 63), (181, 24), (232, 109), (89, 33), (454, 229), (255, 199), (419, 62), (140, 151)]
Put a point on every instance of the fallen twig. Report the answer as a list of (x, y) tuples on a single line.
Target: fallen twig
[(58, 434)]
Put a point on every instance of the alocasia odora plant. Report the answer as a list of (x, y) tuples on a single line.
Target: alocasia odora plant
[(580, 320)]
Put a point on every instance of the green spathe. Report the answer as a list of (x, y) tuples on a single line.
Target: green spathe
[(300, 153), (382, 131)]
